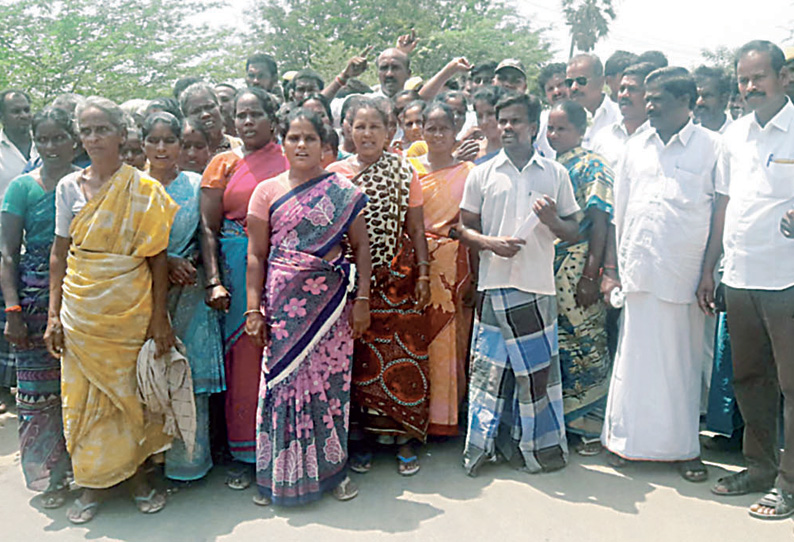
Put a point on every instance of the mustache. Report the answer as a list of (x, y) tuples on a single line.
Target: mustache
[(625, 102), (755, 94)]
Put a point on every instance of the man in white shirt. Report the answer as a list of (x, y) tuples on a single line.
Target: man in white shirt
[(611, 141), (759, 275), (668, 241), (714, 89), (585, 77), (16, 141), (514, 206)]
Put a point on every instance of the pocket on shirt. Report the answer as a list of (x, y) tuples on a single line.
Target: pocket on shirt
[(687, 188), (778, 182)]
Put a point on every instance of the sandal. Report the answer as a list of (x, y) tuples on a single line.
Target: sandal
[(51, 500), (779, 503), (589, 447), (361, 462), (693, 470), (261, 500), (238, 479), (407, 466), (150, 504), (80, 513), (615, 461), (740, 483), (346, 490)]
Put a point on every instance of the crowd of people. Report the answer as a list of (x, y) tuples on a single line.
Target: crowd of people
[(280, 278)]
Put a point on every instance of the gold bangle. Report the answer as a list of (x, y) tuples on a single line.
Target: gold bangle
[(253, 311)]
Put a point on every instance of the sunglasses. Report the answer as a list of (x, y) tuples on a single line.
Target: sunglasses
[(581, 81)]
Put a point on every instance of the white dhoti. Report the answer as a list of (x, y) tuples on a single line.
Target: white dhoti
[(654, 396)]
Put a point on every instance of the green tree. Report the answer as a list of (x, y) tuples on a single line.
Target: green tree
[(588, 20), (120, 49), (721, 57), (323, 34)]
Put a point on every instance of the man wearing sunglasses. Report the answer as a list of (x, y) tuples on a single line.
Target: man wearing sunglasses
[(585, 79)]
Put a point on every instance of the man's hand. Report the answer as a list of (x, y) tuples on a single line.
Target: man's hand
[(407, 42), (546, 209), (506, 247), (705, 294), (467, 151), (357, 65)]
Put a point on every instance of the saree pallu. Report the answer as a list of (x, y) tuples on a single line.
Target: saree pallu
[(243, 358), (391, 373), (304, 397), (42, 447), (106, 309), (584, 358), (448, 319), (515, 392)]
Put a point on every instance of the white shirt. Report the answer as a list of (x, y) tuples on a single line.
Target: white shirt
[(728, 122), (12, 161), (69, 200), (664, 195), (503, 197), (607, 113), (761, 178), (542, 144), (611, 141)]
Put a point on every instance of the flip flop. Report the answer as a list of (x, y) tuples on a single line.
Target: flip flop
[(346, 490), (407, 466), (693, 470), (740, 483), (153, 507), (261, 500), (589, 447), (615, 461), (80, 513), (361, 462), (781, 502), (238, 479), (51, 500)]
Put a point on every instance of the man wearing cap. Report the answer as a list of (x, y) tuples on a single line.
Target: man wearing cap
[(585, 78), (511, 75)]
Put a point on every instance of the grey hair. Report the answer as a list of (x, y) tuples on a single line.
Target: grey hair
[(194, 90), (115, 114)]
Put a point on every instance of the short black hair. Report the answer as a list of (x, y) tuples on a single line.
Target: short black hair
[(484, 67), (575, 112), (6, 93), (550, 70), (618, 62), (447, 95), (323, 100), (639, 70), (308, 73), (776, 56), (262, 58), (183, 82), (490, 94), (657, 58), (227, 85), (675, 80), (530, 103), (716, 74)]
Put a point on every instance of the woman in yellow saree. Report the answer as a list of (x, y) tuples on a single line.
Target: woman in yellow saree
[(108, 294)]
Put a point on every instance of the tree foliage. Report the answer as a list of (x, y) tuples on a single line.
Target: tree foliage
[(588, 20), (323, 34), (117, 48)]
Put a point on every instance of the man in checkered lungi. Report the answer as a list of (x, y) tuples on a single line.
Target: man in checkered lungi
[(514, 206)]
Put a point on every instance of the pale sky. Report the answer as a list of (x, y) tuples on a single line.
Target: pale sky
[(679, 28)]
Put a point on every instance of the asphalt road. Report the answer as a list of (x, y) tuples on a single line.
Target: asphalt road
[(587, 501)]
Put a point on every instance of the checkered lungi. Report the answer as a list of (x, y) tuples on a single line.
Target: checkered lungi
[(515, 390)]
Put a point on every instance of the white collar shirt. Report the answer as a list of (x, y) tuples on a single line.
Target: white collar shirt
[(728, 122), (761, 180), (611, 141), (607, 113), (542, 144), (503, 196), (12, 161), (664, 196)]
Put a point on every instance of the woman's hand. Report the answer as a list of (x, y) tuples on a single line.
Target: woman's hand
[(218, 298), (53, 337), (16, 331), (467, 151), (160, 330), (609, 281), (587, 292), (359, 317), (181, 271), (256, 328), (422, 293)]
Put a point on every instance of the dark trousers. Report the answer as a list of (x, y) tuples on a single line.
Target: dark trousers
[(762, 339)]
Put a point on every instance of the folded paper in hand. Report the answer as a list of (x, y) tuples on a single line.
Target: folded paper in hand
[(526, 228)]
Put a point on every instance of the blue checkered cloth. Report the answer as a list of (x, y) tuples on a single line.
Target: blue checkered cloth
[(515, 389)]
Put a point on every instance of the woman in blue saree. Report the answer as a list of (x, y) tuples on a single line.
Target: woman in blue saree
[(28, 218), (299, 290), (194, 323)]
